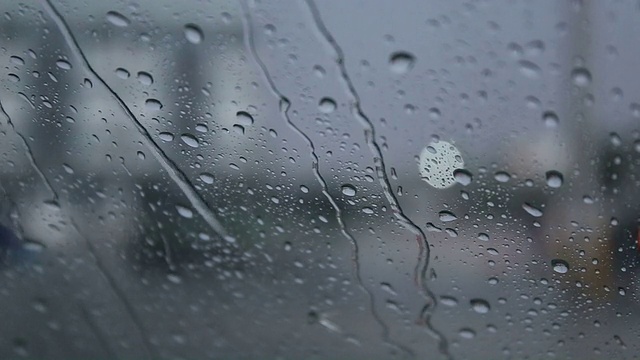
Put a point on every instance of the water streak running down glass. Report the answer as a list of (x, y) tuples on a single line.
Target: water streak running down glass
[(300, 179)]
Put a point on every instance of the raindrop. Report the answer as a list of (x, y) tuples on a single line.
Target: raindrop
[(463, 177), (16, 60), (63, 64), (327, 105), (554, 178), (447, 216), (560, 266), (190, 140), (206, 178), (550, 119), (529, 69), (238, 129), (401, 62), (467, 333), (117, 19), (68, 169), (166, 136), (581, 77), (244, 118), (533, 211), (438, 161), (193, 33), (448, 301), (348, 190), (145, 78), (122, 73), (480, 306), (184, 211), (502, 176), (153, 104), (202, 128), (483, 237)]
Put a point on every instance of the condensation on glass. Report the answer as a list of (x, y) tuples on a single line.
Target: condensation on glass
[(254, 179)]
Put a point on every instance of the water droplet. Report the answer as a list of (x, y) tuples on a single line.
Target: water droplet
[(206, 178), (153, 105), (438, 161), (174, 278), (581, 77), (141, 155), (492, 251), (348, 190), (483, 237), (13, 78), (63, 64), (166, 136), (447, 216), (244, 118), (463, 177), (480, 306), (202, 128), (145, 78), (448, 301), (560, 266), (533, 211), (327, 105), (122, 73), (238, 129), (529, 69), (190, 140), (184, 211), (17, 60), (550, 119), (193, 33), (554, 179), (502, 176), (117, 19), (467, 333), (401, 62), (68, 169)]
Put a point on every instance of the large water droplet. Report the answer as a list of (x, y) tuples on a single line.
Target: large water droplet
[(184, 211), (122, 73), (533, 211), (554, 178), (550, 119), (401, 62), (153, 104), (193, 33), (467, 333), (463, 177), (207, 178), (480, 306), (327, 105), (165, 136), (348, 190), (190, 140), (244, 118), (560, 266), (502, 176), (438, 161), (63, 64), (447, 216), (581, 77), (145, 78), (117, 19)]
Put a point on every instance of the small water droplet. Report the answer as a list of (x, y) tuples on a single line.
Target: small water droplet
[(327, 105), (554, 178), (533, 211), (207, 178), (190, 140), (447, 216), (480, 306), (401, 62), (448, 301), (193, 33), (581, 77), (184, 211), (467, 333), (560, 266), (68, 169), (202, 128), (348, 190), (117, 19), (530, 69), (483, 237), (153, 105)]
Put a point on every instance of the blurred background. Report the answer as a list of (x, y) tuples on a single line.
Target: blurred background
[(416, 179)]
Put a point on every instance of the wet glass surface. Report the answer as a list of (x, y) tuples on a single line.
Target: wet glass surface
[(353, 179)]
